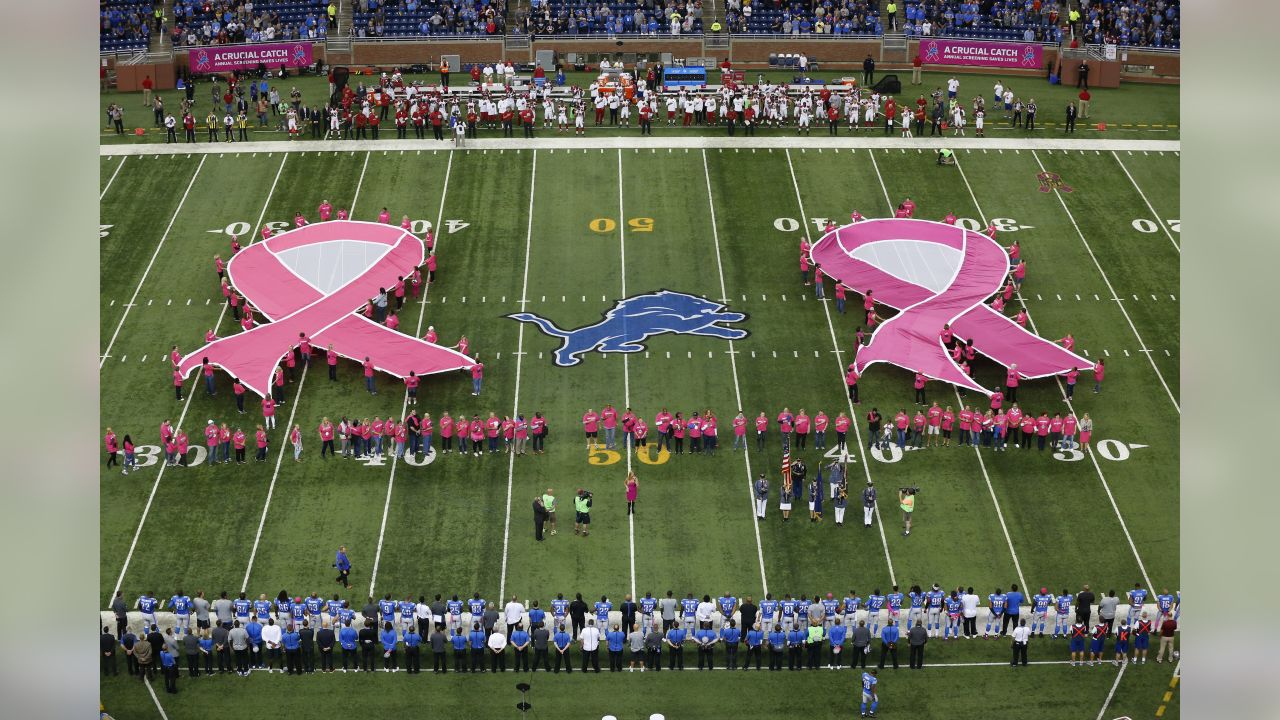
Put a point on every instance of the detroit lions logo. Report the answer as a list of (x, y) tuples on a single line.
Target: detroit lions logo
[(633, 320)]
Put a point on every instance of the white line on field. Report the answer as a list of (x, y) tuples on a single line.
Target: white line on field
[(1107, 703), (1154, 216), (515, 403), (146, 510), (152, 262), (840, 370), (113, 178), (156, 700), (1106, 280), (626, 372), (1092, 458), (359, 183), (733, 361), (1017, 564), (404, 407)]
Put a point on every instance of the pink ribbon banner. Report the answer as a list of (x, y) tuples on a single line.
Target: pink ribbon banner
[(935, 274), (243, 57), (981, 53), (313, 280)]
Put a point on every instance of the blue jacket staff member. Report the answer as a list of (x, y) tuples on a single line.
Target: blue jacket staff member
[(343, 565)]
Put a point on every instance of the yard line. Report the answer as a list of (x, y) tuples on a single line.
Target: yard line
[(359, 183), (1017, 564), (1092, 458), (733, 361), (1107, 703), (160, 474), (152, 262), (515, 403), (156, 700), (1109, 287), (113, 178), (626, 369), (840, 370), (422, 312), (1154, 215)]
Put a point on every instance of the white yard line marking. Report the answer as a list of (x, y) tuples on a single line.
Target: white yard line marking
[(152, 262), (155, 699), (404, 407), (113, 178), (146, 510), (840, 370), (515, 403), (359, 184), (1106, 280), (1107, 703), (1154, 216), (733, 362), (626, 369), (1017, 564), (1092, 458)]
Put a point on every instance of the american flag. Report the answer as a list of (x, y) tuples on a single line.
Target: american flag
[(786, 466)]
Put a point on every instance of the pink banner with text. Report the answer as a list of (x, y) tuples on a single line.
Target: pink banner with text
[(244, 57), (957, 51)]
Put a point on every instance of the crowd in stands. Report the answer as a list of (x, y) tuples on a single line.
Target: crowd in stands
[(644, 17), (382, 18), (1126, 22), (805, 17), (125, 25), (203, 22)]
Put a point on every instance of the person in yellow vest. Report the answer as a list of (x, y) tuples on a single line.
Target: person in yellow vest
[(444, 74), (332, 11), (892, 9), (715, 27), (159, 16), (1074, 17), (907, 501)]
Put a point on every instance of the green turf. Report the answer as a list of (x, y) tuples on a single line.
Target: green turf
[(445, 523)]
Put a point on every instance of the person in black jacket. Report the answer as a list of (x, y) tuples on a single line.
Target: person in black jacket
[(539, 517), (578, 614), (868, 70), (368, 640), (107, 646), (307, 638), (1071, 117), (325, 640)]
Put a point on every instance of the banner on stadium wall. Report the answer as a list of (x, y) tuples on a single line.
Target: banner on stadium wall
[(956, 51), (242, 57)]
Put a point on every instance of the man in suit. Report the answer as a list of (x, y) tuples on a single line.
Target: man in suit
[(326, 639), (107, 646), (868, 70), (1083, 78), (539, 517), (1071, 117), (628, 609)]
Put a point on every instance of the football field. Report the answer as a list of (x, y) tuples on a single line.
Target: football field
[(565, 231)]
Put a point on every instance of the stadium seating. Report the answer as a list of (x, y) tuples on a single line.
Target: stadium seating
[(124, 25), (200, 22), (389, 18), (1153, 23)]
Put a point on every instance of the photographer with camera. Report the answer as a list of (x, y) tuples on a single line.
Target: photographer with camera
[(907, 501), (582, 508)]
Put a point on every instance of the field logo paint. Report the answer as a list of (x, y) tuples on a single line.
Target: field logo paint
[(1052, 181), (633, 320), (313, 280), (935, 274)]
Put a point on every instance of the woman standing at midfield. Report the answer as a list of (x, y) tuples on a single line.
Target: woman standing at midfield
[(1086, 431), (112, 448), (633, 488), (295, 437)]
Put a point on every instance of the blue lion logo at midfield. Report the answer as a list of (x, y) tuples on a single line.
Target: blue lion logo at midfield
[(632, 320)]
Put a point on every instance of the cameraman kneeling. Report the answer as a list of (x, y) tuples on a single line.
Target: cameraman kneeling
[(907, 501), (582, 508)]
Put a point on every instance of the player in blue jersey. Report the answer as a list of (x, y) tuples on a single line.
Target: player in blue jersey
[(875, 603), (476, 605), (915, 613), (728, 606), (315, 608), (995, 611), (386, 610), (407, 607), (954, 608), (333, 607), (298, 613), (648, 604), (1062, 614), (148, 603), (346, 615), (689, 609), (454, 607), (283, 608), (768, 609), (242, 606), (869, 694), (262, 608), (602, 611), (181, 604), (831, 608), (1164, 606), (559, 609), (851, 603), (1040, 603), (802, 612), (894, 601), (788, 610), (1137, 597)]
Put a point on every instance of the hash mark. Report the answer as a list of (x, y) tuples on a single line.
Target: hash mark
[(1166, 352), (1059, 297), (1126, 353), (144, 358), (784, 298), (668, 354), (775, 353), (1106, 352)]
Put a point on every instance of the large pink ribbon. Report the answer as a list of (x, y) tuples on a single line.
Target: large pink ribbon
[(293, 304), (893, 257)]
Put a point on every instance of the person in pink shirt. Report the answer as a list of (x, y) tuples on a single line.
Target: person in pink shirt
[(662, 422), (786, 424), (260, 437), (998, 304), (842, 431), (400, 434), (946, 335), (211, 441), (368, 375), (804, 268), (1099, 369), (609, 420), (1028, 430), (740, 431), (1007, 293), (1015, 251), (177, 385), (1055, 431), (909, 206), (477, 377), (934, 418), (1072, 375), (411, 387), (762, 426), (175, 357), (855, 216), (872, 320), (431, 335), (521, 434), (948, 420), (538, 431), (1042, 430), (508, 434), (1067, 341), (277, 385), (633, 491), (710, 433), (415, 281), (841, 296), (342, 213), (430, 239), (378, 429), (464, 345), (1011, 378), (950, 219), (246, 319), (694, 429), (1019, 274), (170, 452), (405, 224), (858, 340), (1086, 431), (477, 436), (990, 231), (804, 242), (901, 212), (997, 399), (238, 442), (677, 432), (269, 412), (641, 433), (295, 437), (919, 385), (392, 321), (902, 422), (917, 430), (1000, 430), (225, 287), (326, 437), (492, 429), (113, 448), (235, 245), (1069, 425), (384, 217), (397, 291), (180, 444), (299, 220), (462, 430), (235, 300), (1021, 318), (820, 422), (988, 427), (868, 303), (591, 429), (446, 432), (1014, 417), (219, 266), (291, 362), (851, 381), (266, 232), (802, 429), (966, 424), (325, 210), (431, 268)]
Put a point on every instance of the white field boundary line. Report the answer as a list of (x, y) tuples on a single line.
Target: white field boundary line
[(840, 371), (1107, 703), (155, 699), (515, 402), (404, 407), (1017, 564), (1155, 217), (113, 178), (737, 391), (626, 369), (297, 400), (1092, 457), (629, 142), (147, 271), (146, 510), (1142, 346)]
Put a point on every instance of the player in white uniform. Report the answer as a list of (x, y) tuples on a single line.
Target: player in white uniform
[(577, 119), (957, 119), (977, 122), (562, 119), (624, 113), (906, 122)]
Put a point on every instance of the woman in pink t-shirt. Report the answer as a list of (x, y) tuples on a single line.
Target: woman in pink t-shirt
[(295, 437), (446, 432), (113, 448), (633, 490), (1099, 369)]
